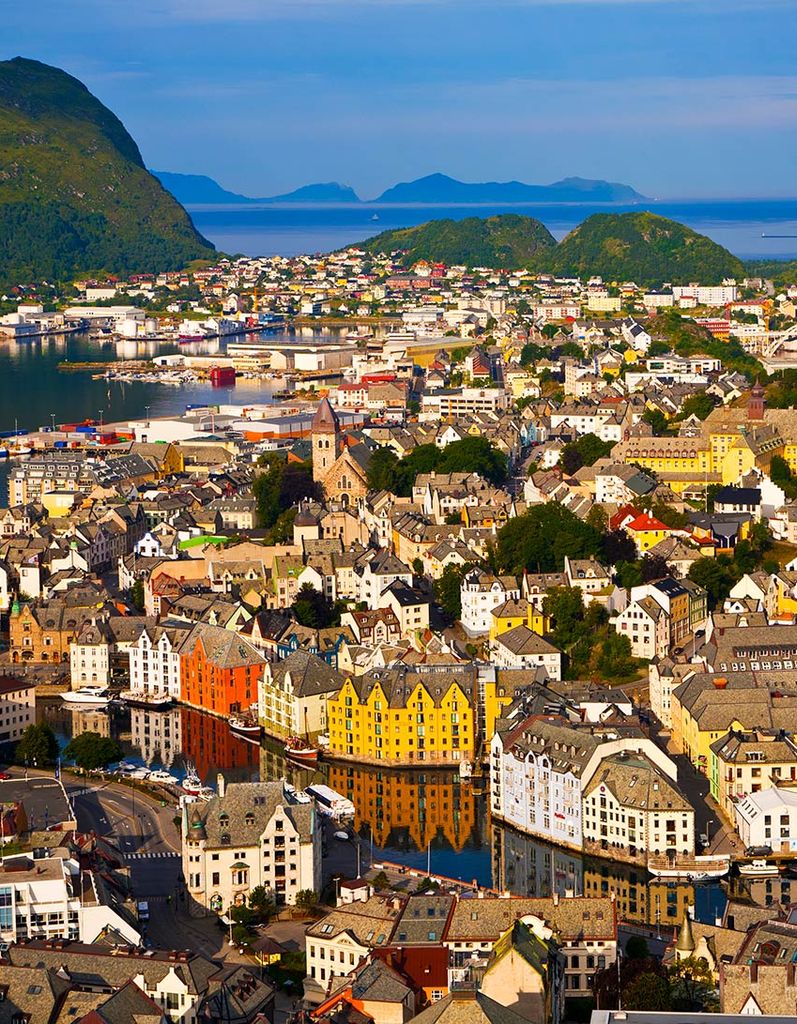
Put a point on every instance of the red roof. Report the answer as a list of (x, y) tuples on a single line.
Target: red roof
[(646, 522)]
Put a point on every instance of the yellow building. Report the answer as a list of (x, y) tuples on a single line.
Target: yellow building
[(518, 613), (404, 717), (743, 763)]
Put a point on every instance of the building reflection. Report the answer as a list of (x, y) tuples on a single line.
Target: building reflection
[(71, 722), (156, 735), (408, 810), (763, 892), (529, 867), (209, 744)]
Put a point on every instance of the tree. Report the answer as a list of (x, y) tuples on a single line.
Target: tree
[(90, 751), (648, 991), (614, 659), (583, 452), (699, 405), (658, 421), (136, 595), (314, 609), (714, 575), (628, 574), (382, 470), (306, 899), (381, 881), (447, 590), (692, 986), (637, 948), (539, 540), (654, 567), (282, 486), (37, 747), (241, 936), (474, 455), (261, 902), (617, 546)]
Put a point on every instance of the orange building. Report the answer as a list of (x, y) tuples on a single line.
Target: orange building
[(219, 670)]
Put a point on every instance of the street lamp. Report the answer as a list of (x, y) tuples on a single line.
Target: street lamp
[(708, 830), (52, 420), (101, 412)]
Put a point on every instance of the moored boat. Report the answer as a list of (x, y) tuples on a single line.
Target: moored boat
[(163, 777), (192, 783), (145, 699), (97, 696), (758, 868), (695, 869), (300, 750)]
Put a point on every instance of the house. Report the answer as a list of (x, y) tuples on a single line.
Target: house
[(768, 818), (219, 670), (293, 693), (17, 707), (522, 648), (742, 763), (249, 834), (481, 592), (647, 626)]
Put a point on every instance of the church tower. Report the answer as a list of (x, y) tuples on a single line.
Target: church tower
[(326, 439), (755, 404)]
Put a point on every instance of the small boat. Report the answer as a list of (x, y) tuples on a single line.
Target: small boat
[(296, 796), (375, 217), (162, 777), (192, 783), (694, 869), (758, 868), (146, 699), (3, 453), (98, 696), (300, 750), (245, 725)]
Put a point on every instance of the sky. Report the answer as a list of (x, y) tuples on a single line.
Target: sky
[(681, 98)]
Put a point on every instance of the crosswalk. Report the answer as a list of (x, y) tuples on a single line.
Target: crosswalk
[(149, 856)]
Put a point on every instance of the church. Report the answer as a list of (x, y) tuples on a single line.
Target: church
[(340, 468)]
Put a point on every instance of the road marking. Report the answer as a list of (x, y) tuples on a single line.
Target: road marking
[(140, 856)]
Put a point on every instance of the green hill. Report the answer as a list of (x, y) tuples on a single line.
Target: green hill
[(644, 248), (508, 240), (74, 193)]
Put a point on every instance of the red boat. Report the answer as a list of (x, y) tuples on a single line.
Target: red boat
[(300, 750)]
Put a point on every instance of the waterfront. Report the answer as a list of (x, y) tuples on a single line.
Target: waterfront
[(289, 229), (410, 816)]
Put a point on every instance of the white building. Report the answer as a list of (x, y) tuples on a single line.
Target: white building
[(90, 656), (437, 406), (52, 898), (157, 734), (155, 661), (17, 708), (346, 935), (631, 807), (521, 647), (768, 818), (249, 835), (480, 593), (647, 626)]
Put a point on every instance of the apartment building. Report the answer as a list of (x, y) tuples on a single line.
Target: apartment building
[(51, 897), (768, 818), (155, 660), (17, 708), (481, 592), (456, 403), (743, 763), (293, 693), (248, 835)]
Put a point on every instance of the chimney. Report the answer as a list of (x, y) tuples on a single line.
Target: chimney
[(221, 785), (720, 683)]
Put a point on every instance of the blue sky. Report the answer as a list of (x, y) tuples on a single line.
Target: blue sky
[(678, 98)]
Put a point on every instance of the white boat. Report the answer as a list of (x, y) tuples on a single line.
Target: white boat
[(140, 774), (163, 777), (694, 869), (758, 868), (192, 783), (245, 726), (146, 699), (97, 696), (296, 796), (329, 803)]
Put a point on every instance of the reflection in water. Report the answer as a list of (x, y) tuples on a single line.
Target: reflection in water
[(409, 812), (528, 867)]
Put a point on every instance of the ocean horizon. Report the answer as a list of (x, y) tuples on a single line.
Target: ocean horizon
[(749, 228)]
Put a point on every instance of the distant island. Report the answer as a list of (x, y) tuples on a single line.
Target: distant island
[(75, 196), (437, 189), (639, 246)]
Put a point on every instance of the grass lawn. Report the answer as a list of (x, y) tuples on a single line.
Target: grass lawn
[(782, 552)]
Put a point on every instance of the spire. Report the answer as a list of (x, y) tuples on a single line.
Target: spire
[(686, 940), (325, 420)]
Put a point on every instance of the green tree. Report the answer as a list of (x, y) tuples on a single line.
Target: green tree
[(648, 991), (314, 609), (90, 751), (447, 590), (637, 948), (614, 660), (583, 452), (616, 547), (381, 881), (37, 746), (658, 421), (692, 986), (474, 455), (715, 576), (306, 899), (261, 903), (382, 470), (241, 936), (136, 595), (539, 540), (699, 405), (282, 486)]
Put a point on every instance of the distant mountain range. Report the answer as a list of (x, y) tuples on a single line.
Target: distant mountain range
[(434, 188)]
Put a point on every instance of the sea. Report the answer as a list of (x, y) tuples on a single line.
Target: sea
[(750, 228)]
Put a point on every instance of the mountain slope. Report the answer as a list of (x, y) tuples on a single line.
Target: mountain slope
[(440, 188), (644, 248), (508, 241), (74, 193)]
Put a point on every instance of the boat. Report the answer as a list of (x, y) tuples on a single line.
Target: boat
[(694, 869), (375, 217), (296, 796), (192, 783), (146, 699), (205, 793), (329, 803), (246, 725), (300, 750), (188, 339), (140, 774), (3, 453), (163, 777), (98, 696), (758, 868)]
